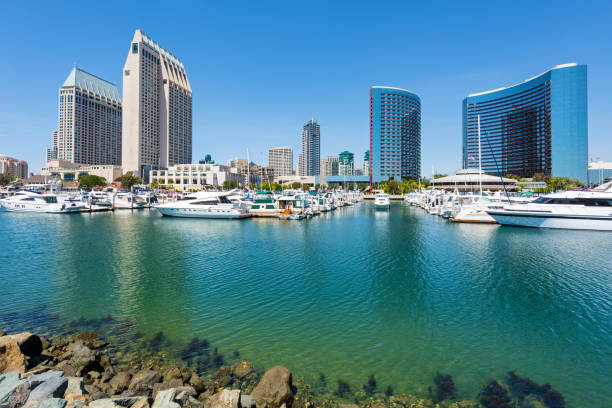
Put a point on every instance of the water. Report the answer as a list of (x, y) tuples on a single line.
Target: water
[(398, 294)]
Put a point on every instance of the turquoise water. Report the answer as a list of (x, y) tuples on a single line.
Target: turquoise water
[(398, 294)]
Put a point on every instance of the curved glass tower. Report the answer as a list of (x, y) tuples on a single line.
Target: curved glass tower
[(395, 134), (537, 126)]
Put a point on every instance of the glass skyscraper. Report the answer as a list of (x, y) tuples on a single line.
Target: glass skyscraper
[(537, 126), (309, 160), (395, 134)]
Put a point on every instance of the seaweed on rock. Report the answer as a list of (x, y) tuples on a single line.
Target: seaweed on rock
[(445, 386), (343, 388), (523, 386), (495, 396), (389, 391), (370, 387)]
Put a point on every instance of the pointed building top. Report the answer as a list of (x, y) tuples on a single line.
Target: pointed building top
[(88, 82)]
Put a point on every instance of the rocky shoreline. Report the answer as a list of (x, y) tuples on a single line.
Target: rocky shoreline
[(79, 371)]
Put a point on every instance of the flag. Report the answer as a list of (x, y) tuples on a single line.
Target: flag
[(471, 158)]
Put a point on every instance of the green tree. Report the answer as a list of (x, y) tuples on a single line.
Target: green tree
[(155, 184), (305, 187), (296, 185), (513, 176), (128, 180), (89, 181), (392, 187), (362, 186), (6, 179), (562, 183), (230, 184), (540, 177), (437, 176)]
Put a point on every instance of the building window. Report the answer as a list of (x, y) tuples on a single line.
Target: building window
[(134, 48)]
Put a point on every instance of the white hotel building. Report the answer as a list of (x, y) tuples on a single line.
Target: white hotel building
[(186, 176), (157, 109)]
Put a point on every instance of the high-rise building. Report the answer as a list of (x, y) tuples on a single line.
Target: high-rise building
[(52, 151), (329, 166), (537, 126), (13, 167), (366, 163), (157, 102), (346, 163), (395, 134), (308, 163), (281, 160), (89, 121)]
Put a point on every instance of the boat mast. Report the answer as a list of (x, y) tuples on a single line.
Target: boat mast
[(248, 170), (479, 159)]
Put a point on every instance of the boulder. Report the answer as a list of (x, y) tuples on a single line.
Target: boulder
[(119, 383), (45, 376), (247, 401), (51, 388), (225, 399), (187, 401), (8, 382), (99, 395), (165, 399), (76, 404), (84, 359), (17, 396), (172, 374), (197, 383), (177, 382), (51, 403), (11, 357), (75, 386), (143, 402), (146, 378), (29, 344), (109, 373), (242, 369), (274, 389), (68, 370)]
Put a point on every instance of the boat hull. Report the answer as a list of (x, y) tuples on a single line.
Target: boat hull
[(191, 213), (556, 221)]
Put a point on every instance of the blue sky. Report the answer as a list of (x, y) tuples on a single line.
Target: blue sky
[(260, 70)]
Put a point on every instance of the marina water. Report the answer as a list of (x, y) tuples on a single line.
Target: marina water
[(398, 294)]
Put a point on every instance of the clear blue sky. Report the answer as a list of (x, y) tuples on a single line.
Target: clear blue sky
[(260, 70)]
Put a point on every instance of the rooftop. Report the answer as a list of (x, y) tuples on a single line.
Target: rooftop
[(149, 41), (89, 82), (571, 64)]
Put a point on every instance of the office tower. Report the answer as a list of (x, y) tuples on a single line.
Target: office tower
[(52, 151), (346, 164), (157, 103), (281, 160), (308, 163), (329, 166), (13, 167), (89, 121), (537, 126), (366, 163), (395, 134)]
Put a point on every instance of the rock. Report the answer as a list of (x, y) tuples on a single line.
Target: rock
[(9, 382), (165, 399), (187, 401), (84, 359), (51, 388), (145, 377), (11, 357), (119, 383), (68, 370), (197, 383), (29, 344), (109, 373), (99, 395), (94, 375), (247, 401), (105, 361), (76, 404), (17, 396), (225, 399), (186, 374), (91, 389), (274, 389), (87, 338), (75, 386), (46, 376), (143, 402), (172, 374), (346, 406), (84, 398), (242, 369), (45, 343), (51, 403), (177, 382)]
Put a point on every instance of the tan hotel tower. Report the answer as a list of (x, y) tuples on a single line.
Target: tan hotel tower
[(156, 130)]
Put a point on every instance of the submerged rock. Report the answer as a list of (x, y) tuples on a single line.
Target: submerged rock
[(495, 396), (445, 386), (274, 389)]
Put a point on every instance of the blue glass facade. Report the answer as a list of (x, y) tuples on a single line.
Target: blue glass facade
[(395, 134), (537, 126)]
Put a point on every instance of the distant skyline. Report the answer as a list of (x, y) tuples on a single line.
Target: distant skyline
[(258, 73)]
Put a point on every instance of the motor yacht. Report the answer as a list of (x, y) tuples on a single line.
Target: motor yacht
[(25, 201), (381, 200), (264, 205), (204, 204), (573, 209), (125, 200)]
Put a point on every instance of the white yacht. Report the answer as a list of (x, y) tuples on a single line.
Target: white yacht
[(125, 200), (381, 200), (25, 201), (204, 204), (574, 209)]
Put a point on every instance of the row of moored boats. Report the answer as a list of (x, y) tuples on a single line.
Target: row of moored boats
[(588, 209)]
